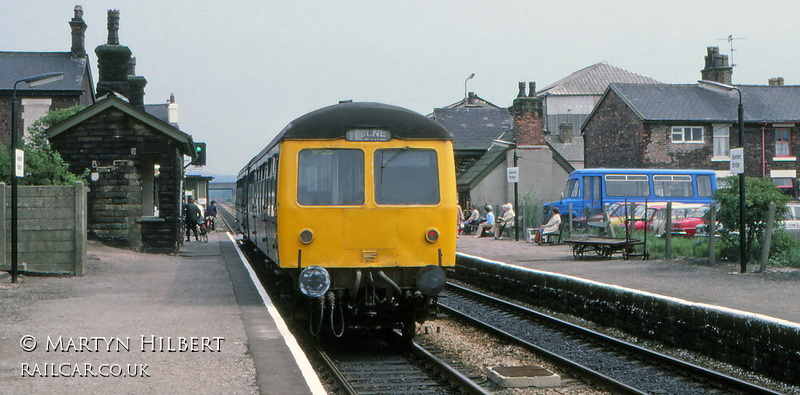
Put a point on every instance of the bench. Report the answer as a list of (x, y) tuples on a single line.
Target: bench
[(550, 238)]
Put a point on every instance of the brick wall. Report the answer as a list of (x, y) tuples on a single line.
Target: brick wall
[(58, 102), (117, 144), (528, 122), (661, 153), (614, 136)]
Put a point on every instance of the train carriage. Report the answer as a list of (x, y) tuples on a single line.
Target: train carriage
[(355, 204)]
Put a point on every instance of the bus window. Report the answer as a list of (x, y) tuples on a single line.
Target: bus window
[(330, 177), (406, 176), (704, 189), (679, 186), (627, 185)]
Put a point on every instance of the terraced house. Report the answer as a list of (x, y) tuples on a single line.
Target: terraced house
[(686, 126)]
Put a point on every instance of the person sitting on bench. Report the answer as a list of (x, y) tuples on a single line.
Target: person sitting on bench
[(473, 220), (506, 220), (552, 226), (486, 224)]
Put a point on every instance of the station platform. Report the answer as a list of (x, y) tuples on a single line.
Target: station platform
[(145, 323), (774, 293)]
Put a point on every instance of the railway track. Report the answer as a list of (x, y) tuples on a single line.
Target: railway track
[(619, 366), (391, 367), (380, 365)]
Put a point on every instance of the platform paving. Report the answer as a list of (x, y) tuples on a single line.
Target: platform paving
[(186, 323), (775, 293)]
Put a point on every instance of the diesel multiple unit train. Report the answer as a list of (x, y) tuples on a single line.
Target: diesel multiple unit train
[(354, 205)]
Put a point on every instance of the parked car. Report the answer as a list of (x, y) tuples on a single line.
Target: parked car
[(680, 212), (687, 226), (792, 219)]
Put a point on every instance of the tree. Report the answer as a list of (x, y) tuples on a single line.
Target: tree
[(43, 165), (759, 193)]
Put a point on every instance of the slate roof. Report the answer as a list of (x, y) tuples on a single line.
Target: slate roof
[(111, 100), (19, 65), (473, 128), (673, 102), (572, 152), (593, 80), (488, 162)]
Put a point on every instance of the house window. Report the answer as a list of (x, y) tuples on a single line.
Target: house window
[(687, 134), (722, 141), (783, 145)]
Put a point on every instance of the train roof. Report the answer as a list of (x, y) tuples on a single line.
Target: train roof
[(603, 170), (333, 122)]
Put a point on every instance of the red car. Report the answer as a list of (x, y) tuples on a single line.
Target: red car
[(688, 225)]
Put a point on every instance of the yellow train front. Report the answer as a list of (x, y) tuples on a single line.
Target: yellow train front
[(365, 215)]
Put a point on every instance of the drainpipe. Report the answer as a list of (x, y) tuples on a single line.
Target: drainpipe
[(763, 152)]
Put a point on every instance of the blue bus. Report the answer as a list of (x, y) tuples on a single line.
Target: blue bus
[(590, 189)]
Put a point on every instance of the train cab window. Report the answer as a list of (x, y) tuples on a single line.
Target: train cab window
[(330, 177), (406, 176)]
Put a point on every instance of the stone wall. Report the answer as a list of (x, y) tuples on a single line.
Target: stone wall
[(114, 145), (767, 346)]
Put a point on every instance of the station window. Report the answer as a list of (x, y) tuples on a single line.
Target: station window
[(150, 187), (330, 177), (406, 176)]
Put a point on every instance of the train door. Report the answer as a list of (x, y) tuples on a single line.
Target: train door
[(592, 196)]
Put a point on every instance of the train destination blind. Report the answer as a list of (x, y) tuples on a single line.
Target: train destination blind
[(368, 135)]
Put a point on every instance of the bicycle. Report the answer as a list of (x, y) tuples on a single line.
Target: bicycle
[(203, 232)]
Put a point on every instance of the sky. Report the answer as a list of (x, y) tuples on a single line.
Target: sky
[(242, 70)]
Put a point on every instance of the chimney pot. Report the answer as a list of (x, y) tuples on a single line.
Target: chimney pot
[(521, 90), (113, 27), (531, 89)]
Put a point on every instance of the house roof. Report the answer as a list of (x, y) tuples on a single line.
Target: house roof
[(182, 138), (593, 80), (19, 65), (473, 128), (572, 152), (688, 102), (476, 102), (160, 111), (488, 162)]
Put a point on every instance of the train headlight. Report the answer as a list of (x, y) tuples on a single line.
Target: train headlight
[(314, 281), (431, 280), (306, 236), (432, 235)]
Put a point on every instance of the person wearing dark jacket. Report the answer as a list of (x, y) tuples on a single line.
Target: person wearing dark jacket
[(192, 212), (211, 211)]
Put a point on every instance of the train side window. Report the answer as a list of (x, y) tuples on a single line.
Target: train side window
[(406, 176), (330, 177)]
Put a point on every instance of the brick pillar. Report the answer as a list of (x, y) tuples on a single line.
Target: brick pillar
[(528, 123)]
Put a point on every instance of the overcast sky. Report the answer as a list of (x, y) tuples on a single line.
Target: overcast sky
[(241, 70)]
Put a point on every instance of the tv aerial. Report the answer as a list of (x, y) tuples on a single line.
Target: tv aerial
[(730, 39)]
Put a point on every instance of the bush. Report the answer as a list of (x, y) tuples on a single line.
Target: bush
[(759, 193)]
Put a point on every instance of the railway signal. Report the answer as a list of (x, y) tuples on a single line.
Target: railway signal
[(200, 151)]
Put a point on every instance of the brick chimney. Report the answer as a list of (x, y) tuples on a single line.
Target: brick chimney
[(717, 68), (528, 123), (777, 81), (78, 27), (136, 90), (113, 60)]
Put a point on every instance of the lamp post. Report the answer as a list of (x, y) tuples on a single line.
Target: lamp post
[(32, 82), (725, 89), (513, 145), (471, 76)]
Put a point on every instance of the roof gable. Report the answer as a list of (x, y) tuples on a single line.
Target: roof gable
[(182, 138), (473, 128), (593, 80)]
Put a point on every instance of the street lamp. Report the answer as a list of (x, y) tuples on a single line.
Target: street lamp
[(471, 76), (513, 145), (726, 89), (32, 82)]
